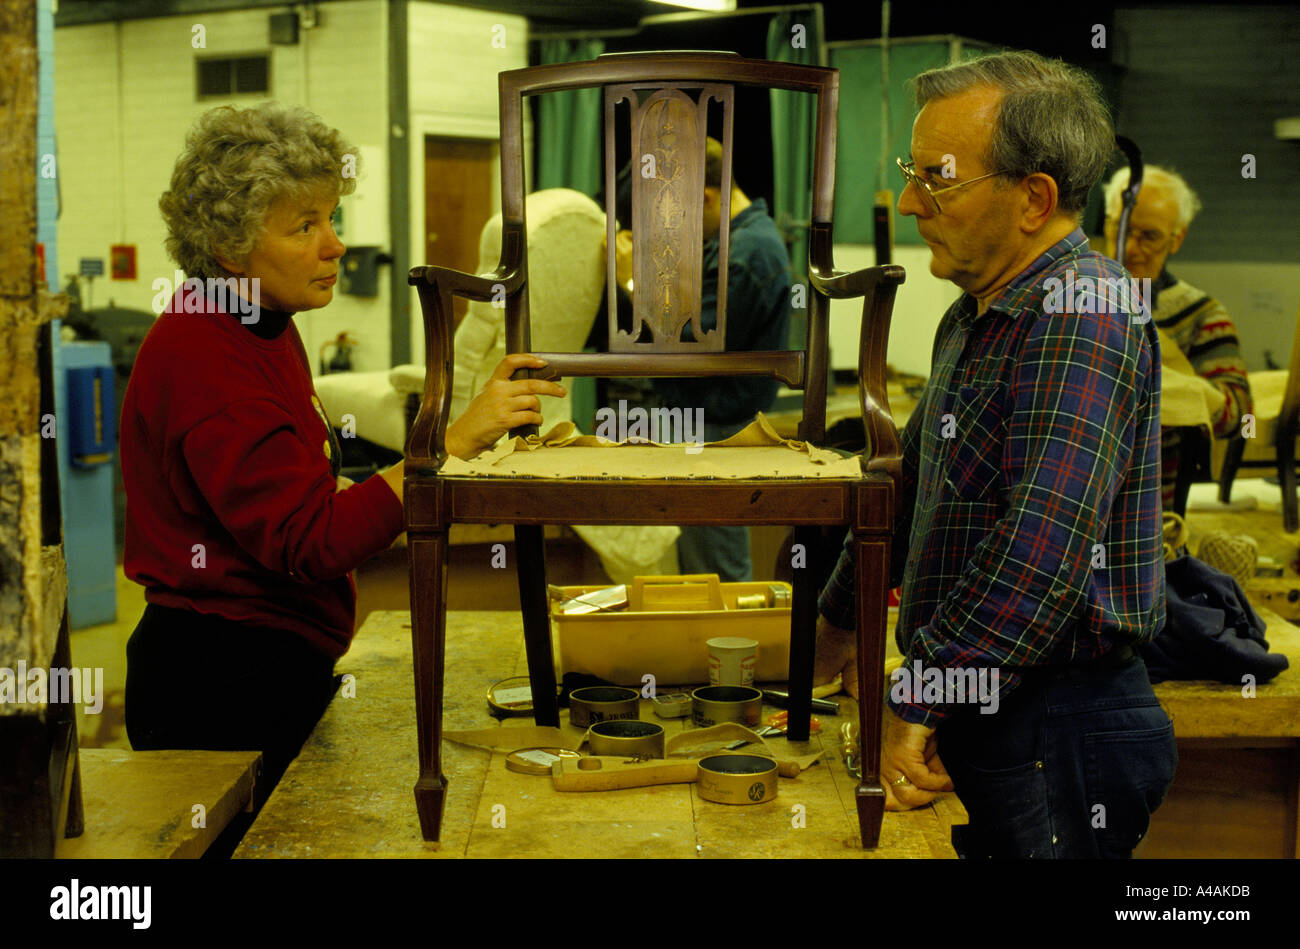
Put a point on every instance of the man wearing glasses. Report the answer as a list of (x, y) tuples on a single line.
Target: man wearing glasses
[(1191, 320), (1027, 536)]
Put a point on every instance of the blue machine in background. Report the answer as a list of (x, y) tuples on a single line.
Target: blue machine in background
[(86, 424), (91, 426)]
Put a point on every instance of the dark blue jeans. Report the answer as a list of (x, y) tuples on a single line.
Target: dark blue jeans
[(1073, 764)]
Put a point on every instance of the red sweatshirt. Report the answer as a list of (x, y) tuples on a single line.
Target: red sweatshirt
[(232, 506)]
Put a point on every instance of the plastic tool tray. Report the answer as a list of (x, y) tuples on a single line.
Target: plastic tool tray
[(665, 628)]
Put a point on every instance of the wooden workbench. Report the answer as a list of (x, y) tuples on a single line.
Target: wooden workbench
[(143, 803), (349, 793), (1237, 789)]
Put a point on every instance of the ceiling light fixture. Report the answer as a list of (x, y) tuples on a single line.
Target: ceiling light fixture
[(716, 6)]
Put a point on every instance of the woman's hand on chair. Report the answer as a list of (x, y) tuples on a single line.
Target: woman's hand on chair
[(503, 404)]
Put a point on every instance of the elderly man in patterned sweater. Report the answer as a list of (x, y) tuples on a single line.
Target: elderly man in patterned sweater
[(1187, 317)]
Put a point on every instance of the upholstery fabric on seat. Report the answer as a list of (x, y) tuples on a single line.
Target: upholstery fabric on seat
[(756, 451)]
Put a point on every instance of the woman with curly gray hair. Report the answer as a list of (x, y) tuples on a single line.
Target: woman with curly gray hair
[(238, 525)]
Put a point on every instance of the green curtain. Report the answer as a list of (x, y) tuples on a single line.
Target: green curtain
[(569, 149), (857, 156), (793, 128)]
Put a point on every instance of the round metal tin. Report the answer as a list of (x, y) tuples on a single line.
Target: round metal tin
[(511, 697), (627, 738), (537, 760), (737, 779), (603, 703), (715, 704)]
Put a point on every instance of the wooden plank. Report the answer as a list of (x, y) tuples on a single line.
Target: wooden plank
[(143, 803), (18, 109), (21, 584), (1227, 802), (1281, 595), (54, 599), (1204, 709)]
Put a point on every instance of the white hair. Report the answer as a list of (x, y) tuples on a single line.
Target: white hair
[(1160, 178)]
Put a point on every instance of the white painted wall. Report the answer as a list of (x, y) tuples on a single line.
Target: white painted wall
[(1262, 299), (126, 98), (454, 55), (918, 307)]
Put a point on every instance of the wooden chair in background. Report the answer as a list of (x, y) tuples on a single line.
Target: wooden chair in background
[(668, 96), (1276, 396)]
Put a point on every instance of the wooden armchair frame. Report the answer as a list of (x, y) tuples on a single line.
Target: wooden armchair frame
[(863, 505)]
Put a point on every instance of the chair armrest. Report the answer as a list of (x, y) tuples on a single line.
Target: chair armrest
[(437, 286), (877, 286), (845, 285), (468, 286)]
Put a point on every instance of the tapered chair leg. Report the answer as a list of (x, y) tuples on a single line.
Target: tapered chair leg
[(1287, 478), (530, 553), (1231, 462), (1187, 450), (803, 637), (872, 561), (428, 555)]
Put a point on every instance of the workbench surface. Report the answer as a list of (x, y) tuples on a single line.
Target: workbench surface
[(166, 804), (349, 793)]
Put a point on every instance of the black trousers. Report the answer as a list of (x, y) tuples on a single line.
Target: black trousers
[(205, 682)]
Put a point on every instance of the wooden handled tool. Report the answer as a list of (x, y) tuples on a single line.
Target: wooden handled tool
[(606, 773)]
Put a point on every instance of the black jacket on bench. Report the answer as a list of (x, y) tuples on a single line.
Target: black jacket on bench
[(1211, 631)]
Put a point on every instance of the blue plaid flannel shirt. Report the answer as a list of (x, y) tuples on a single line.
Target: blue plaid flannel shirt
[(1030, 535)]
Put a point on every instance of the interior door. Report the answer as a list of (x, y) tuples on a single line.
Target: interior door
[(458, 180)]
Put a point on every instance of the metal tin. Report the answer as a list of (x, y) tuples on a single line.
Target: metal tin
[(537, 760), (511, 697), (737, 779), (626, 738), (603, 703), (715, 704)]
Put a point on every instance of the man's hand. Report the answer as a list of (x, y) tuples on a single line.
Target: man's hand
[(502, 405), (910, 751), (837, 653)]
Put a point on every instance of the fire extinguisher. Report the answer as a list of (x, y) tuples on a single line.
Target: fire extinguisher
[(342, 359)]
